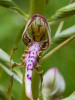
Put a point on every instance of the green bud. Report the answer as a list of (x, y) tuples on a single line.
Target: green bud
[(53, 84)]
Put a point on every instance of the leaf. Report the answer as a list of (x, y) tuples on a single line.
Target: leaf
[(7, 3), (62, 14), (11, 5), (70, 98), (5, 60), (3, 94), (11, 73), (64, 35)]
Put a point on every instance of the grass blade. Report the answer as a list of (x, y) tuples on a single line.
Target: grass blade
[(11, 5), (70, 98), (62, 14), (11, 73), (5, 60), (3, 94), (64, 35), (57, 48)]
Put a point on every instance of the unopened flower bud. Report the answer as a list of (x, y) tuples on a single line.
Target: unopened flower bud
[(53, 83)]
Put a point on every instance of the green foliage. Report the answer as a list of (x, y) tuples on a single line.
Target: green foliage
[(62, 14), (11, 5), (10, 26), (5, 59), (62, 36), (11, 73), (70, 98), (3, 93)]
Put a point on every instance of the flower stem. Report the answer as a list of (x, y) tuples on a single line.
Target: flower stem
[(57, 48), (35, 84), (40, 92), (37, 7)]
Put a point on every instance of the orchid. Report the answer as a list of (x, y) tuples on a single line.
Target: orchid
[(36, 34), (38, 45)]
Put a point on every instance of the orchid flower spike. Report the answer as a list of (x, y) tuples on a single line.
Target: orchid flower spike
[(53, 84), (37, 37)]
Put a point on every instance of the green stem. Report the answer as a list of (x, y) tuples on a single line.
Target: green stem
[(40, 92), (57, 48), (59, 28), (21, 13), (37, 7), (24, 97), (35, 84), (9, 88), (3, 94)]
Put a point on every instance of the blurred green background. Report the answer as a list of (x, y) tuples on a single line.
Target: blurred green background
[(64, 59)]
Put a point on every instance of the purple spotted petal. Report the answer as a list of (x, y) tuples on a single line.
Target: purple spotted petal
[(30, 61)]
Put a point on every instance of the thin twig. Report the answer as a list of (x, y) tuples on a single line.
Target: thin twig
[(61, 23), (9, 88), (11, 73), (71, 1), (57, 48), (59, 28)]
